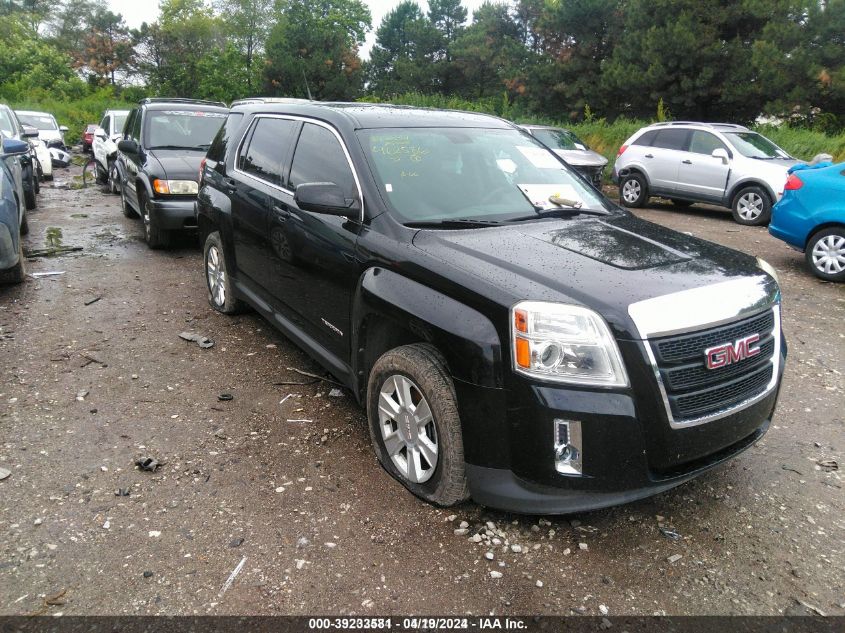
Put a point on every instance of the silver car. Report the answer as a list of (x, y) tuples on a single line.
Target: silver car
[(717, 163), (571, 149)]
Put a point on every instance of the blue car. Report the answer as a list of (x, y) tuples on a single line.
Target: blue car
[(811, 217), (12, 210)]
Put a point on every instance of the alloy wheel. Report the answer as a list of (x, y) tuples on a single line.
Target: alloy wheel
[(407, 428), (216, 275)]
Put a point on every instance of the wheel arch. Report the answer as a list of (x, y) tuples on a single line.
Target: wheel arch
[(739, 186), (822, 227)]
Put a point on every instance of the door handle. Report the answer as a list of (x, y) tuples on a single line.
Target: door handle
[(281, 210), (687, 162), (649, 155), (230, 185)]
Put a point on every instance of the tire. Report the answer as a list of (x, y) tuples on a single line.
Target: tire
[(102, 174), (127, 209), (218, 280), (633, 190), (419, 373), (29, 194), (155, 236), (17, 273), (825, 254), (113, 182), (752, 206), (24, 225), (681, 203)]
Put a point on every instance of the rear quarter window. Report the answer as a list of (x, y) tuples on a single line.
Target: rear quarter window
[(220, 144), (646, 139), (671, 139)]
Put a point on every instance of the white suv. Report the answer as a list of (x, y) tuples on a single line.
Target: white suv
[(106, 136), (718, 163)]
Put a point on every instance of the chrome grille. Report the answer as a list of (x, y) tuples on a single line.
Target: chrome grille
[(694, 393)]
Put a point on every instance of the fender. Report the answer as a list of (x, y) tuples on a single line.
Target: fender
[(637, 168), (728, 201), (214, 211), (467, 339)]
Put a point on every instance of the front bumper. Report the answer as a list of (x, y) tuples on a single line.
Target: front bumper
[(174, 214), (629, 449)]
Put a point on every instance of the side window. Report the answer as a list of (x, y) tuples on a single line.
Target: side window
[(704, 143), (267, 147), (217, 151), (319, 157), (105, 124), (646, 139), (135, 130), (671, 139)]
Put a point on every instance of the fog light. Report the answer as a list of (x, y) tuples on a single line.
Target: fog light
[(568, 456)]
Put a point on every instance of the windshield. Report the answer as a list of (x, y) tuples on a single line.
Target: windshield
[(119, 121), (6, 123), (754, 145), (558, 139), (436, 174), (186, 129), (39, 121)]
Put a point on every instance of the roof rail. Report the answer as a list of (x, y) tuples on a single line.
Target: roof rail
[(181, 100), (259, 100), (735, 126)]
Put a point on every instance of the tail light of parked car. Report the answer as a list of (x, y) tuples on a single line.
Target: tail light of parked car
[(202, 171), (621, 151), (793, 183)]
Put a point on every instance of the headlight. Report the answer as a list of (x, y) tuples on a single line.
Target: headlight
[(768, 268), (565, 343), (175, 187)]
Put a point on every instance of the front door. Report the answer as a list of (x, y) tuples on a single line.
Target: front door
[(701, 175)]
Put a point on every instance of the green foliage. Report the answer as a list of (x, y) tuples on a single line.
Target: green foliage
[(663, 113)]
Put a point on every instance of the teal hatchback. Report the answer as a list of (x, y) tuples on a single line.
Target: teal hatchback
[(811, 217)]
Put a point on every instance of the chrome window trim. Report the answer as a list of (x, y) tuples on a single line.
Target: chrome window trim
[(291, 117), (690, 422)]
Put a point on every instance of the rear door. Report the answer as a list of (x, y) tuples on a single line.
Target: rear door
[(666, 154), (701, 175), (259, 177)]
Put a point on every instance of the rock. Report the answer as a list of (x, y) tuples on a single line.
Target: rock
[(280, 489), (674, 558), (491, 526), (330, 545), (38, 521), (300, 563), (567, 552), (302, 542), (451, 517), (476, 538), (496, 541), (603, 609), (4, 473), (583, 547), (368, 604), (107, 524), (495, 574), (148, 574), (489, 556), (154, 533), (236, 542), (463, 525), (461, 531), (516, 549), (539, 583)]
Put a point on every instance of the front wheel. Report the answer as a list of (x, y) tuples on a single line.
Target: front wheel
[(155, 236), (633, 190), (17, 273), (113, 178), (825, 254), (752, 206), (221, 296), (414, 424)]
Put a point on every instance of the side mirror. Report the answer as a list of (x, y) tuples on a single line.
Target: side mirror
[(721, 152), (63, 128), (325, 197), (128, 147), (100, 133), (30, 132), (13, 146)]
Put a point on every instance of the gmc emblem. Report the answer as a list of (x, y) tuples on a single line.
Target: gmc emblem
[(728, 353)]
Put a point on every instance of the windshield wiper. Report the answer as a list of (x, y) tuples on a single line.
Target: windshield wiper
[(560, 212), (174, 147), (452, 223)]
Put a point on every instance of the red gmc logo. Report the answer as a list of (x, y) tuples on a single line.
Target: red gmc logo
[(728, 353)]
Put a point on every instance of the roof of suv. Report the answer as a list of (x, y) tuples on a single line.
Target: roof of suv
[(374, 115), (169, 102), (722, 127)]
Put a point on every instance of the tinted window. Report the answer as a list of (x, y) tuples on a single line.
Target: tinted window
[(704, 143), (671, 139), (267, 148), (319, 157), (217, 151), (135, 130), (105, 124), (646, 139)]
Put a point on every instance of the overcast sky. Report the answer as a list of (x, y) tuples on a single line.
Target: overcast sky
[(137, 11)]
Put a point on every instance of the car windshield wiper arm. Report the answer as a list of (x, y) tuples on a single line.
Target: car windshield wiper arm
[(460, 223), (561, 212)]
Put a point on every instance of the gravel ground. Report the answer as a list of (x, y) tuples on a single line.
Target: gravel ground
[(302, 510)]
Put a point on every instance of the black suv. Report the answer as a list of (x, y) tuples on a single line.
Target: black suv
[(158, 162), (515, 336)]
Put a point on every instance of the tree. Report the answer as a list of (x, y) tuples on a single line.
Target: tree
[(404, 53), (317, 42), (108, 47), (247, 24), (29, 13)]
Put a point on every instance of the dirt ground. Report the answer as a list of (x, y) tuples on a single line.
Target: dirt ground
[(94, 376)]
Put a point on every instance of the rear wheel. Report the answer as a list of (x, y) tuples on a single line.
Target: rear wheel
[(221, 295), (414, 424), (127, 209), (29, 192), (752, 206), (17, 273), (633, 191), (825, 254), (24, 225)]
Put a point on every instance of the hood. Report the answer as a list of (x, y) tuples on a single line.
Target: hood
[(582, 157), (178, 164), (50, 135), (604, 263)]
